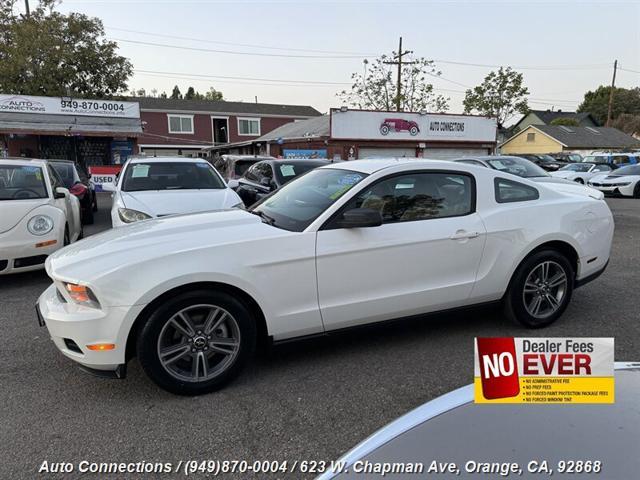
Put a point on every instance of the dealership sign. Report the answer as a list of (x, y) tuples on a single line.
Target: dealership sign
[(544, 370), (394, 126), (68, 106), (104, 174)]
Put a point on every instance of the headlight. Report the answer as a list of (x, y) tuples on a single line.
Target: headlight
[(40, 225), (82, 295), (129, 216), (621, 184)]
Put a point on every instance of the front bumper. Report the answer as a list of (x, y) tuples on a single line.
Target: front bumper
[(73, 327), (626, 191), (24, 256)]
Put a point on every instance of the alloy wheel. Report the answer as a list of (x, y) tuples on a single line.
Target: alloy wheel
[(199, 343), (545, 289)]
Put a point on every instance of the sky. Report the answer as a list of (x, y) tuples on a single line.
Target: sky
[(311, 47)]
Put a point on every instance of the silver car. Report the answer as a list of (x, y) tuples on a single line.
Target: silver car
[(452, 429), (515, 165)]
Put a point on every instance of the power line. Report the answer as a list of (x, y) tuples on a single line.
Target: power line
[(628, 70), (276, 80), (249, 45), (231, 52)]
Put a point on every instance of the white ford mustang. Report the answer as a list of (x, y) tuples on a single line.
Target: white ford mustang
[(38, 215), (344, 245), (160, 186)]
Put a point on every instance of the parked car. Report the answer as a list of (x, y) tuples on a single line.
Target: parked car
[(38, 215), (566, 157), (161, 186), (473, 436), (78, 181), (624, 181), (344, 245), (264, 177), (514, 165), (582, 172), (547, 162), (617, 159), (399, 125), (232, 167)]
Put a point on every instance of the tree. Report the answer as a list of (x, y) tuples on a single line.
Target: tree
[(175, 94), (625, 100), (501, 96), (567, 122), (628, 123), (191, 93), (213, 95), (49, 53), (375, 88)]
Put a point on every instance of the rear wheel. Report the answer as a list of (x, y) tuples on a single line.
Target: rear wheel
[(196, 342), (540, 290), (579, 180), (636, 191)]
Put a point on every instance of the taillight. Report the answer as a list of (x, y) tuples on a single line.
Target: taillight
[(79, 189)]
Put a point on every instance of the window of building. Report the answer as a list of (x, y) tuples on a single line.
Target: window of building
[(181, 124), (531, 137), (510, 191), (248, 126)]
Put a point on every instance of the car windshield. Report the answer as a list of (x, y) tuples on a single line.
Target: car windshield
[(287, 171), (628, 170), (19, 182), (594, 159), (170, 176), (517, 166), (578, 167), (546, 158), (296, 205), (67, 173), (242, 166)]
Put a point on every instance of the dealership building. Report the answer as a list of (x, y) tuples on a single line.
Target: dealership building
[(347, 134), (90, 132)]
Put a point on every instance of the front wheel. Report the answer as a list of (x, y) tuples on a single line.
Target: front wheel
[(579, 180), (540, 289), (196, 342)]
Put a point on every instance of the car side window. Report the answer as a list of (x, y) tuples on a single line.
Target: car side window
[(472, 162), (620, 159), (264, 171), (602, 168), (419, 196), (510, 191), (252, 173), (56, 181)]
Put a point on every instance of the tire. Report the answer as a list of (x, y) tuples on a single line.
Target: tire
[(66, 240), (520, 305), (192, 364), (94, 204), (579, 180), (413, 131), (384, 129), (636, 191)]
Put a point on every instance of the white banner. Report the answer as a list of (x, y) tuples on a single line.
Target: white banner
[(68, 106), (394, 126)]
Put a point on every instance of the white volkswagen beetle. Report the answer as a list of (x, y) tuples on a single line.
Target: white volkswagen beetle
[(37, 214), (343, 245), (160, 186)]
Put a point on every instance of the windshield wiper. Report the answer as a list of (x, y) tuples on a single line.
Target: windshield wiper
[(265, 218)]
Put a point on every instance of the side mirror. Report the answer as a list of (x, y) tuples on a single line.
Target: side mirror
[(233, 184), (360, 218), (109, 187), (60, 192)]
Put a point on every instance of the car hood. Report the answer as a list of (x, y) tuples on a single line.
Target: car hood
[(168, 202), (12, 211), (617, 179), (563, 174), (573, 188), (155, 239), (550, 180)]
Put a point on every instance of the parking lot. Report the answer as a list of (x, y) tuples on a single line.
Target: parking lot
[(311, 400)]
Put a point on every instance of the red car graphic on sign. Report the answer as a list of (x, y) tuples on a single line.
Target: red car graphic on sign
[(399, 125)]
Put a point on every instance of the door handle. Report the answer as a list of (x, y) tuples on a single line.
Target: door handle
[(463, 235)]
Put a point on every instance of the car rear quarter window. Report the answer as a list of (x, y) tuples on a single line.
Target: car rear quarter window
[(507, 191)]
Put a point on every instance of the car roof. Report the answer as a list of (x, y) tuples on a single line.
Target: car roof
[(23, 161), (372, 165), (167, 159)]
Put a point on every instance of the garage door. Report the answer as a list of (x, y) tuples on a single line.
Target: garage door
[(446, 153), (386, 152)]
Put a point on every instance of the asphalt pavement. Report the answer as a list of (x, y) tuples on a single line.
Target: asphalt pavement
[(310, 400)]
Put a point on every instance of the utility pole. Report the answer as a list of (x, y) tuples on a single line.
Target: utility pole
[(26, 6), (613, 87), (399, 62)]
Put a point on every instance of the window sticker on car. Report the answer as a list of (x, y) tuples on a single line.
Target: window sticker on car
[(140, 171), (31, 169), (38, 173), (287, 170), (350, 180)]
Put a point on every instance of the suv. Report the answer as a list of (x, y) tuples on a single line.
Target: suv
[(567, 157), (617, 159), (232, 167)]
